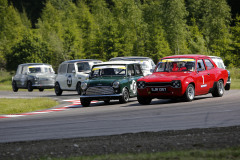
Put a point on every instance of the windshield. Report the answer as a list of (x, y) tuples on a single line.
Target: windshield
[(108, 70), (176, 65), (34, 69), (83, 67)]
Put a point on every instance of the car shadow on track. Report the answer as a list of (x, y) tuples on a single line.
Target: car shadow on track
[(169, 101)]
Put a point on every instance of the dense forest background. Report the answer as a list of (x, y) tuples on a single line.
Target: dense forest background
[(52, 31)]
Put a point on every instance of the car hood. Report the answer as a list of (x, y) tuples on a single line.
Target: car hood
[(104, 81), (165, 76)]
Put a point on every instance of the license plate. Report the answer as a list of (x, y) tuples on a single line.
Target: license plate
[(158, 89)]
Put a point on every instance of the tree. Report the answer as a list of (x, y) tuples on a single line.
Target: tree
[(31, 49), (196, 42), (235, 57), (174, 23), (11, 29)]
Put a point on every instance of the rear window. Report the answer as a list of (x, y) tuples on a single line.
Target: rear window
[(208, 64)]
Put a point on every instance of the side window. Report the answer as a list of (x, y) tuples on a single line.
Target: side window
[(62, 69), (131, 70), (71, 68), (25, 70), (200, 65), (208, 64), (138, 69), (19, 70)]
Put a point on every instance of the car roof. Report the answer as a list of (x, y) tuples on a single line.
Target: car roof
[(116, 62), (215, 57), (34, 64), (133, 58), (82, 60), (194, 56)]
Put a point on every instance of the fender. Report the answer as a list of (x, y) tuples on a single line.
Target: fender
[(186, 82)]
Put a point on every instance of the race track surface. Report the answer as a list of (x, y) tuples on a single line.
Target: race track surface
[(100, 119)]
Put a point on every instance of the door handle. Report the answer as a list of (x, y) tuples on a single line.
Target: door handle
[(208, 74)]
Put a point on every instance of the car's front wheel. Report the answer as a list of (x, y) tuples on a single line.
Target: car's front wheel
[(14, 86), (144, 100), (218, 89), (41, 89), (58, 90), (29, 86), (125, 96), (85, 102), (190, 93)]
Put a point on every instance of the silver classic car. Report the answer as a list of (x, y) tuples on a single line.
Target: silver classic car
[(34, 76)]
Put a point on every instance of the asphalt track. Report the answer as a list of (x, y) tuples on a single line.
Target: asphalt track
[(100, 119)]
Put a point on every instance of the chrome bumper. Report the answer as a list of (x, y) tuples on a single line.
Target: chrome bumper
[(101, 96)]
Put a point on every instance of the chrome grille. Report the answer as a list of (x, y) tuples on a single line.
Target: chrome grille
[(103, 90)]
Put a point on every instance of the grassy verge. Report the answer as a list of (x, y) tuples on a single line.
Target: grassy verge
[(5, 81), (231, 153), (13, 106)]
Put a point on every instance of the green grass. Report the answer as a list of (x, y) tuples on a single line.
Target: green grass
[(13, 106), (5, 80), (222, 154)]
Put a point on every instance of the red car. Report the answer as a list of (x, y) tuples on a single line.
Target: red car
[(182, 76)]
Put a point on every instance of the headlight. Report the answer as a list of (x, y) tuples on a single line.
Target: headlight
[(84, 85), (115, 84), (141, 84), (176, 84)]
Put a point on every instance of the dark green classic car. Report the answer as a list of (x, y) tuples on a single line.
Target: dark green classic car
[(111, 80)]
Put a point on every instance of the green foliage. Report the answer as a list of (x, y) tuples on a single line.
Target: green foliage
[(31, 49), (102, 29)]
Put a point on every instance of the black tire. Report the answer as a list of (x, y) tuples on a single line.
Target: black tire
[(41, 89), (58, 90), (107, 101), (144, 100), (78, 88), (125, 96), (29, 86), (14, 86), (218, 90), (85, 102), (227, 87), (189, 93)]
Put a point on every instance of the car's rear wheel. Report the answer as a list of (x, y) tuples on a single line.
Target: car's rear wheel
[(190, 93), (78, 88), (218, 89), (58, 90), (125, 96), (85, 102), (14, 86), (41, 89), (144, 100), (29, 86)]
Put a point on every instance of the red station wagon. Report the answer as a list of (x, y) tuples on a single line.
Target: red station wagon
[(182, 76)]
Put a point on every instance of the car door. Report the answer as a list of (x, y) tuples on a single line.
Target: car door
[(211, 72), (24, 77), (17, 77), (203, 78), (71, 78), (61, 77), (132, 80)]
